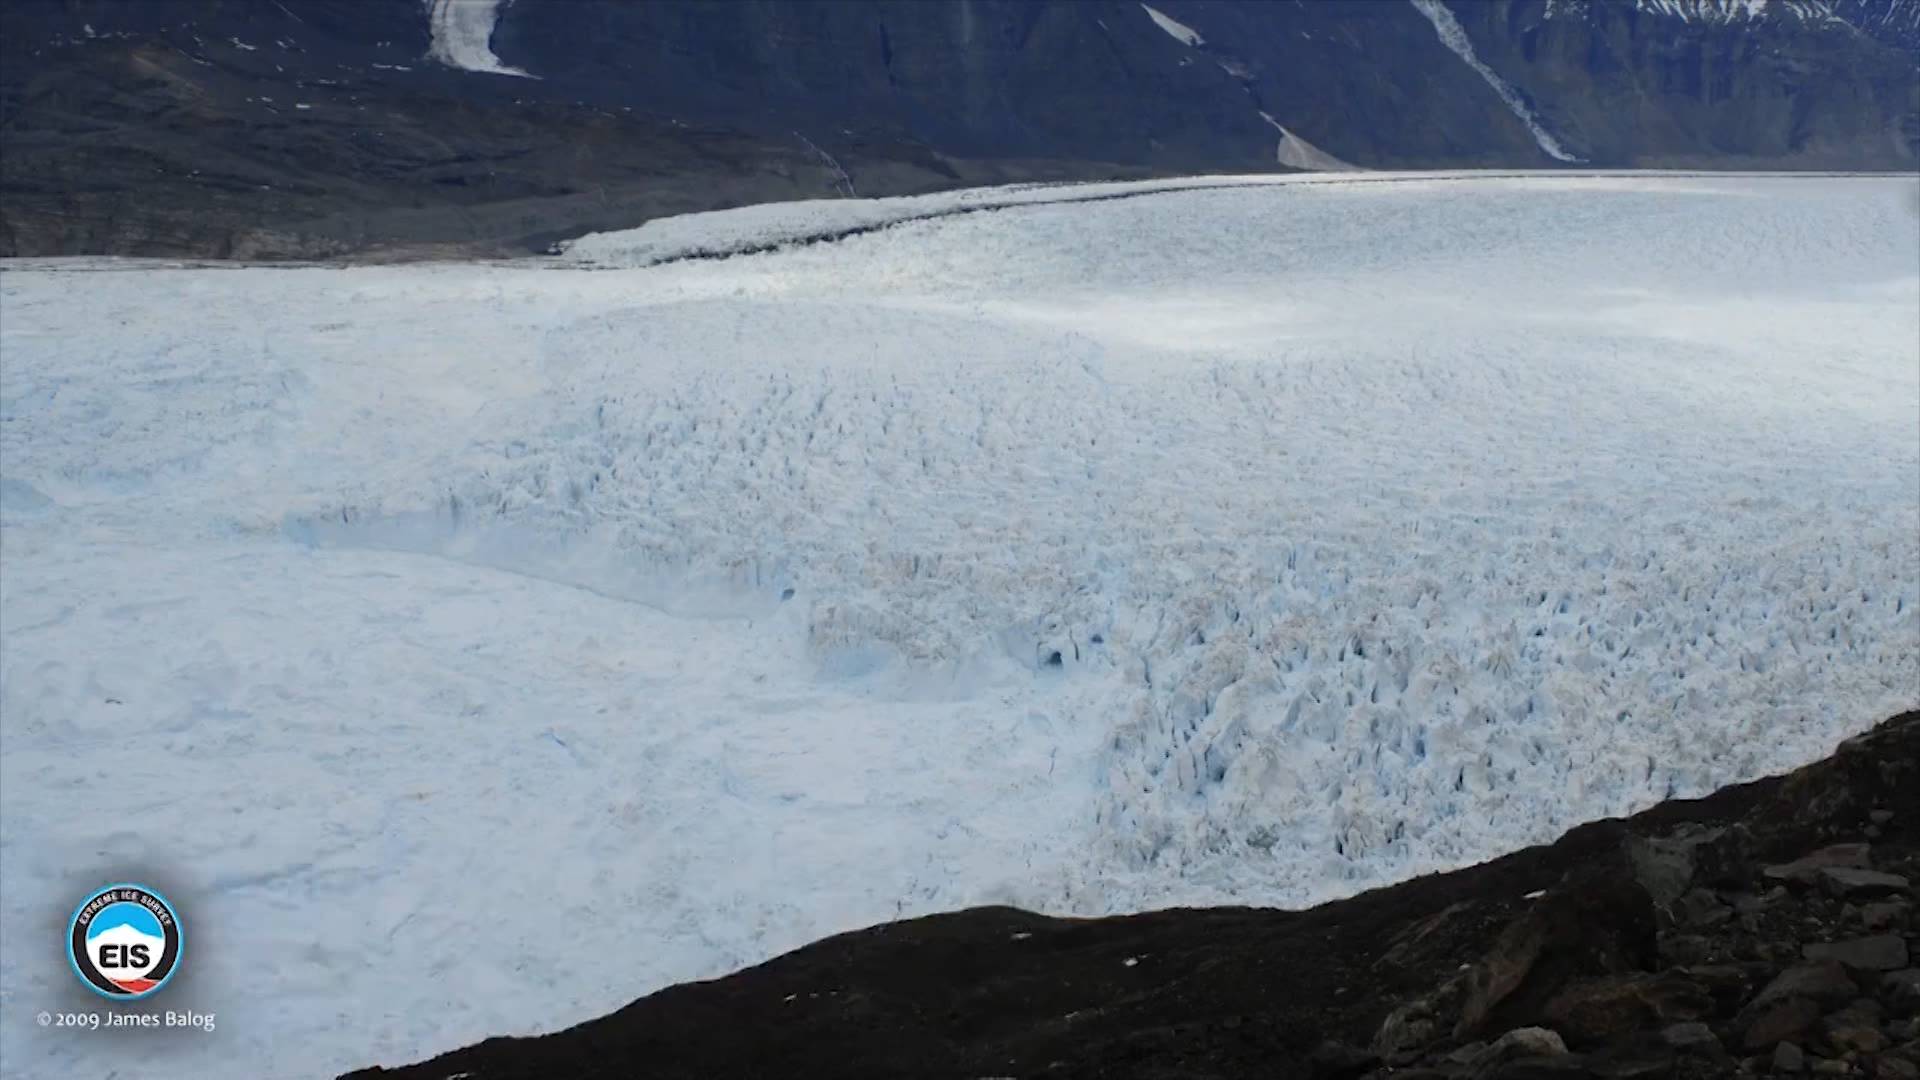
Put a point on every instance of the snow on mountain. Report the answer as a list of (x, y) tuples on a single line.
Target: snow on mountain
[(1178, 31), (1864, 14), (128, 915), (1893, 22), (1255, 543), (463, 36), (1737, 10), (1296, 152), (1454, 37), (121, 966), (1725, 10)]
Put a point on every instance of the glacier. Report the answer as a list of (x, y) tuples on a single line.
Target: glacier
[(560, 630)]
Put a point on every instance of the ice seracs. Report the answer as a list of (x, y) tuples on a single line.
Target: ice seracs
[(1241, 542)]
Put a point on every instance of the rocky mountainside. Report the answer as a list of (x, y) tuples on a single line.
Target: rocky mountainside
[(300, 128), (1767, 929)]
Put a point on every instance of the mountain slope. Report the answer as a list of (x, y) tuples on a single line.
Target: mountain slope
[(320, 127)]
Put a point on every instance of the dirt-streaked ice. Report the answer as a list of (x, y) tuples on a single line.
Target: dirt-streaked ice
[(470, 649)]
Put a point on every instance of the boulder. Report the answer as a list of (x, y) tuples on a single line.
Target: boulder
[(1850, 883), (1768, 1024), (1806, 869), (1731, 985), (1701, 907), (1666, 865), (1885, 914), (1685, 948), (1335, 1060), (1635, 1063), (1691, 1037), (1881, 952), (1597, 921), (1592, 1011), (1523, 1042), (1823, 981), (1855, 1028), (1895, 1068), (1754, 903), (1788, 1058), (1901, 989), (1536, 1068), (1416, 1023)]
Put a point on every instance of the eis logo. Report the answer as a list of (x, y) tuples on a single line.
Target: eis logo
[(125, 942)]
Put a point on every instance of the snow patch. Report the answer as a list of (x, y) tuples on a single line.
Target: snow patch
[(1454, 37), (1297, 153), (463, 35), (1178, 31)]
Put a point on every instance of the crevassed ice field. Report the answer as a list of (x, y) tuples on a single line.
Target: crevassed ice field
[(469, 649)]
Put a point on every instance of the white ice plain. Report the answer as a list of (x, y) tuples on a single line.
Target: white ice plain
[(469, 650)]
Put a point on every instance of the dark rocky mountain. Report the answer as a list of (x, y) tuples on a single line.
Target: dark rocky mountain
[(1767, 928), (296, 128)]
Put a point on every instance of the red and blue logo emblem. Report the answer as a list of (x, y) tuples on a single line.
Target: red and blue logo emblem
[(125, 942)]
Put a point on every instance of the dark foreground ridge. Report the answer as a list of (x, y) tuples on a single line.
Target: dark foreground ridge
[(1768, 929)]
